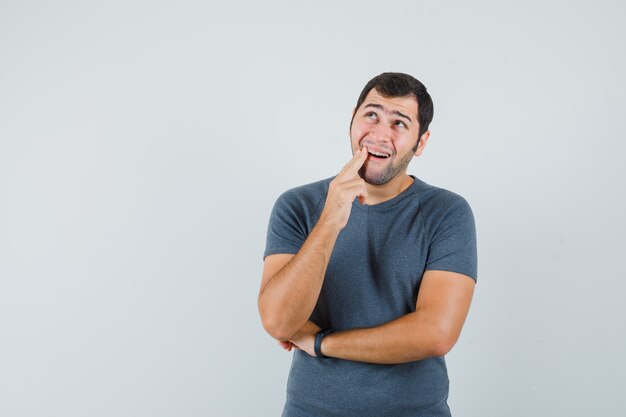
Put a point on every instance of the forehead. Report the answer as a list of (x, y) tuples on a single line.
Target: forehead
[(406, 105)]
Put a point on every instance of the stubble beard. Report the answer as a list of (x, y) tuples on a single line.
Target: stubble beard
[(385, 175)]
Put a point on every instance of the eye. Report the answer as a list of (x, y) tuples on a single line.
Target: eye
[(371, 115), (399, 123)]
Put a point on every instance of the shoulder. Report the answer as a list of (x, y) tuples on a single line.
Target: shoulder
[(307, 194), (439, 203), (305, 199)]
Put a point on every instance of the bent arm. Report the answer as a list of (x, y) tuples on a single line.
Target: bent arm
[(291, 284), (432, 330)]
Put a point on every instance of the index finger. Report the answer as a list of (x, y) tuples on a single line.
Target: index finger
[(352, 167)]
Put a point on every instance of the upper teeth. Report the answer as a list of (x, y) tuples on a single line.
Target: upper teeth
[(384, 155)]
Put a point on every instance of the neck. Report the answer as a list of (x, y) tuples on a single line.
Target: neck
[(381, 193)]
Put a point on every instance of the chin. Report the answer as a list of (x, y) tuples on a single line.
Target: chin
[(375, 178)]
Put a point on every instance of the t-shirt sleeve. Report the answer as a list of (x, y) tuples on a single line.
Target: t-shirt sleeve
[(286, 231), (453, 244)]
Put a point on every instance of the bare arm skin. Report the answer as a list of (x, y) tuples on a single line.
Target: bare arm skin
[(432, 330), (291, 284)]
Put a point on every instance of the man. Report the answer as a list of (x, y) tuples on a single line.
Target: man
[(370, 274)]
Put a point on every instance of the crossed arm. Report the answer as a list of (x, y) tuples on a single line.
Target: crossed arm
[(431, 330)]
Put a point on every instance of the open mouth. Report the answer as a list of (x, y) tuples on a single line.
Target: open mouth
[(378, 155)]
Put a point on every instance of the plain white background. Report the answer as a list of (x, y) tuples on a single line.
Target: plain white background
[(143, 144)]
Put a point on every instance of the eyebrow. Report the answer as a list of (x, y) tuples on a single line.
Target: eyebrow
[(396, 112)]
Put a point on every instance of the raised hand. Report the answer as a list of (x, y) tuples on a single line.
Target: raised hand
[(342, 191)]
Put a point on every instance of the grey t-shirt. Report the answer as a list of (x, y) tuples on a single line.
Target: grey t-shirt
[(373, 277)]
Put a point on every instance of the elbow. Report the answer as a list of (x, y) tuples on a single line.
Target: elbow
[(441, 347), (443, 343), (275, 326), (276, 331), (273, 321)]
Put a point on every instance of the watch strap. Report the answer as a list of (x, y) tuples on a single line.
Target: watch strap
[(318, 342)]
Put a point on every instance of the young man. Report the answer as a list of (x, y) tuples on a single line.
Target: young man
[(370, 274)]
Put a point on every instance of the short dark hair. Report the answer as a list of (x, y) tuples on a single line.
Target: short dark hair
[(397, 84)]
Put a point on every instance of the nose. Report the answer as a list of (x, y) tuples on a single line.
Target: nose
[(381, 133)]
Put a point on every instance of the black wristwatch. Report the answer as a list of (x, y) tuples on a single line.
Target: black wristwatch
[(318, 342)]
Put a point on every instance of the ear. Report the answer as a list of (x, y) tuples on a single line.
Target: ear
[(423, 141)]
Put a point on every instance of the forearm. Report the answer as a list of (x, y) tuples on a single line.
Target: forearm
[(409, 338), (288, 299)]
